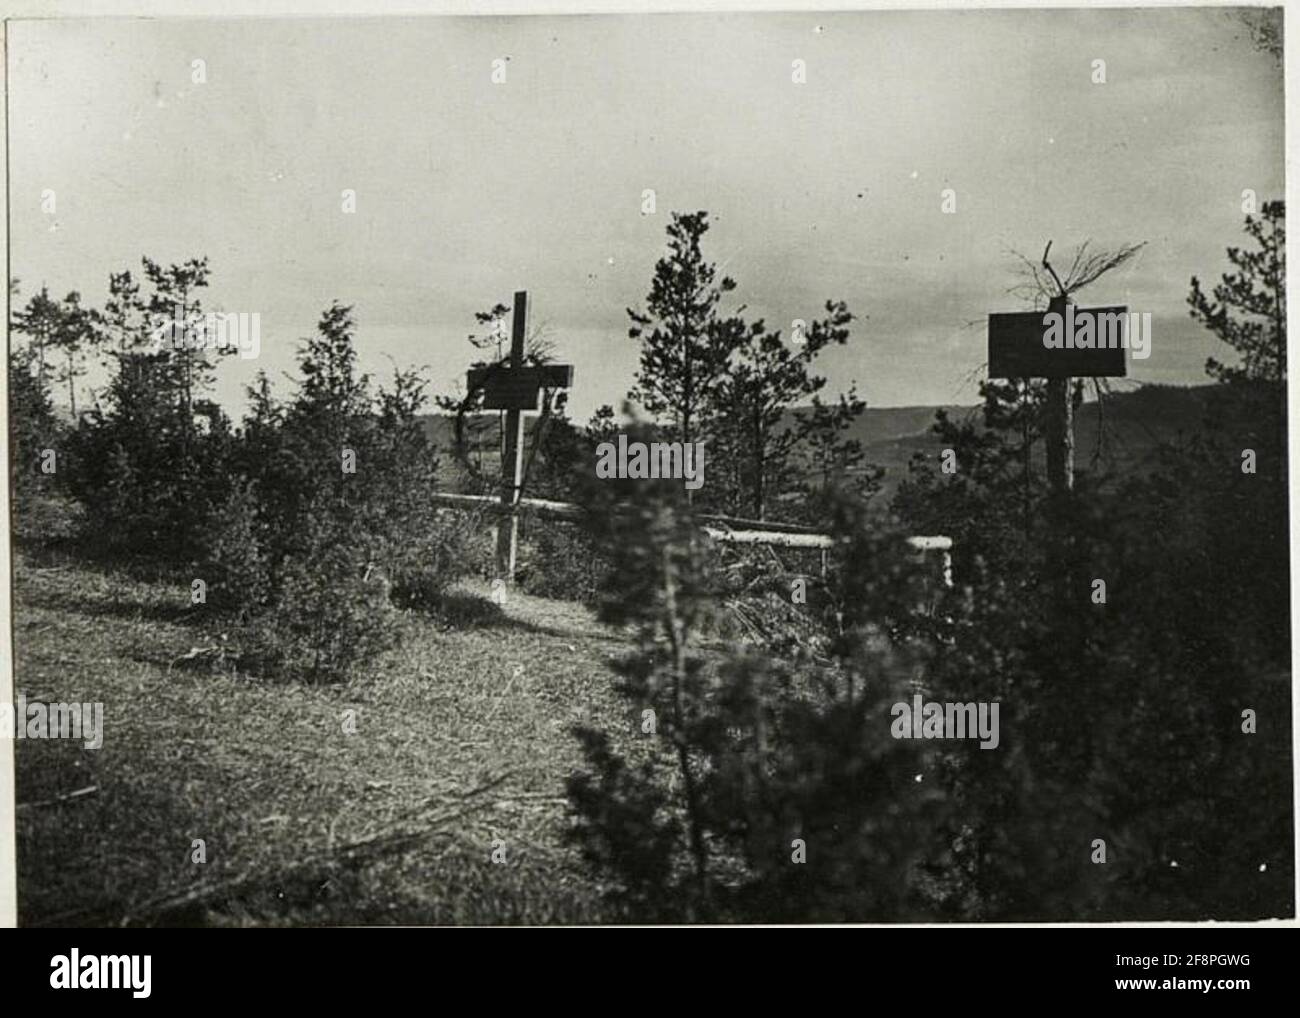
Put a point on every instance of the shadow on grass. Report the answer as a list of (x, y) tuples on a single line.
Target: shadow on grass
[(116, 608), (586, 635), (462, 610), (91, 552)]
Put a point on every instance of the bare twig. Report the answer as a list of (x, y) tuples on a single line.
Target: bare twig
[(78, 794), (1060, 287), (1086, 267)]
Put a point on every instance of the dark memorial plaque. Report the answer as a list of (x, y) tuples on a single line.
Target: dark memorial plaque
[(518, 388), (1017, 350)]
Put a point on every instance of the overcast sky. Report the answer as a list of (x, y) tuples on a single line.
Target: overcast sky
[(468, 190)]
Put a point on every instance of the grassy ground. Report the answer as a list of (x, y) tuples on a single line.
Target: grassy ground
[(462, 740)]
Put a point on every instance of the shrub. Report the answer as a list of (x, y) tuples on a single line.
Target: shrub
[(440, 552), (786, 797), (33, 428), (560, 560), (237, 565), (337, 524), (331, 612)]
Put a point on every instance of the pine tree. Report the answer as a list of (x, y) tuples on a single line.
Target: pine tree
[(1248, 308), (40, 320), (78, 328), (766, 380), (685, 342), (33, 428), (177, 313), (834, 459)]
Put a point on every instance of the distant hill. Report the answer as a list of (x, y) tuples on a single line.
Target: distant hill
[(1134, 423)]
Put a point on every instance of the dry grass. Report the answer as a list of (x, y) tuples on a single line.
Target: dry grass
[(462, 740)]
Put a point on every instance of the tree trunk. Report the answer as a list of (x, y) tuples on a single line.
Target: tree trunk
[(1059, 431), (677, 640)]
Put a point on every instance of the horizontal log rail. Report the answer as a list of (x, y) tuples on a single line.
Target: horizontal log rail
[(723, 529)]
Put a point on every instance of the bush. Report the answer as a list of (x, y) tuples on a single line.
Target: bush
[(422, 568), (240, 581), (331, 613), (336, 523), (33, 429), (560, 560), (769, 789), (1150, 678)]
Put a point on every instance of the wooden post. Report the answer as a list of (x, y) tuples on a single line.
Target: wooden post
[(1058, 427), (1058, 430), (512, 461)]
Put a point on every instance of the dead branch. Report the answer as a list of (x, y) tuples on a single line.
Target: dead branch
[(78, 794), (1061, 291), (1088, 268), (1040, 281)]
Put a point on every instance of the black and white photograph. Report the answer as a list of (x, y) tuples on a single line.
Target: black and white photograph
[(695, 468)]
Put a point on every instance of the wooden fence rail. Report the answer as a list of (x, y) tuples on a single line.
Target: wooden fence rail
[(723, 529)]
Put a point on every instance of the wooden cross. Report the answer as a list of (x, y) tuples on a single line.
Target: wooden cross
[(515, 388)]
